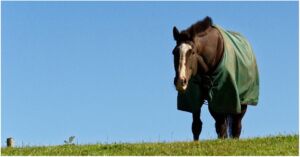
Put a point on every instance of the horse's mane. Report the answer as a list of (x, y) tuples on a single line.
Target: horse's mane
[(196, 28)]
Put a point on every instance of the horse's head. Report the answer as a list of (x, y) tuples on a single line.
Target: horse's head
[(189, 46)]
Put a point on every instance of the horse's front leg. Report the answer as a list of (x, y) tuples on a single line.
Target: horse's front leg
[(237, 122), (221, 123), (196, 125)]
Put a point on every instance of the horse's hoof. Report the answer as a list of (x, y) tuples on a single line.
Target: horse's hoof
[(196, 139)]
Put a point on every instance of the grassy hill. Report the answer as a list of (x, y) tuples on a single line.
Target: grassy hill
[(274, 145)]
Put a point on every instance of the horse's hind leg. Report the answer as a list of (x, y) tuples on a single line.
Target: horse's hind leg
[(196, 125), (221, 124), (237, 122)]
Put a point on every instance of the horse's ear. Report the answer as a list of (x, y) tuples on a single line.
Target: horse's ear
[(201, 26), (207, 21), (175, 33)]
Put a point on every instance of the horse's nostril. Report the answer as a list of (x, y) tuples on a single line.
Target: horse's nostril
[(184, 81), (180, 81)]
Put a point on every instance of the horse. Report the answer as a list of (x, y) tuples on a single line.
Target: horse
[(206, 59)]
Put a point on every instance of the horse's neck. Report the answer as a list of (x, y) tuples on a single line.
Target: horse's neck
[(212, 51)]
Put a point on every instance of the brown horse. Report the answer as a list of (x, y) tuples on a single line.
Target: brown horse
[(198, 52)]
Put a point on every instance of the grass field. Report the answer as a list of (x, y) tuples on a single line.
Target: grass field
[(273, 145)]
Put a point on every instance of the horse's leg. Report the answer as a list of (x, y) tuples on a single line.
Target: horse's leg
[(196, 125), (221, 125), (237, 122)]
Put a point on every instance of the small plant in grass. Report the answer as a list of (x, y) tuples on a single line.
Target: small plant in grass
[(70, 141)]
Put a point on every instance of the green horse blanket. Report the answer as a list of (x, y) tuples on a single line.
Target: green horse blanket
[(234, 82)]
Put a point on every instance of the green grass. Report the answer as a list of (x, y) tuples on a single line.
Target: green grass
[(274, 145)]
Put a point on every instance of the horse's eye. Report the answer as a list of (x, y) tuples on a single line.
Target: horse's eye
[(191, 52)]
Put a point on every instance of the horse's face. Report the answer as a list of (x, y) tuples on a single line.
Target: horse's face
[(185, 59), (189, 46)]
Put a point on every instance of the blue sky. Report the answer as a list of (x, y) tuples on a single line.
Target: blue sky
[(103, 71)]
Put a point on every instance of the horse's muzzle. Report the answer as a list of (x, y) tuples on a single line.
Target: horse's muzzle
[(181, 85)]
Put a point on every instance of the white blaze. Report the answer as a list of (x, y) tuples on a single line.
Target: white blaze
[(183, 49)]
